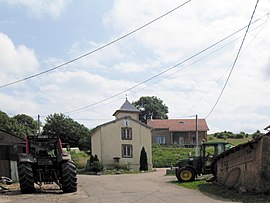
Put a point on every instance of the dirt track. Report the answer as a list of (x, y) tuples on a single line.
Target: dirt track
[(152, 187)]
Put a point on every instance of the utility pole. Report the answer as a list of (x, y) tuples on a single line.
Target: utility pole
[(38, 125), (197, 137)]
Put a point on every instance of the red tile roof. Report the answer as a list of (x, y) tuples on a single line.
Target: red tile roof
[(180, 125)]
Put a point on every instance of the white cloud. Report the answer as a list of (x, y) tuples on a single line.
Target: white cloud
[(75, 89), (192, 90), (42, 7), (15, 61), (187, 31)]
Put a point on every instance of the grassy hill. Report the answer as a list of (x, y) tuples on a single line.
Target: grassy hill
[(233, 141), (166, 156)]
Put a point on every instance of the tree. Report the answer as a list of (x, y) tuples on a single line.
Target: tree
[(4, 120), (26, 124), (143, 160), (70, 131), (151, 107), (257, 134), (20, 125)]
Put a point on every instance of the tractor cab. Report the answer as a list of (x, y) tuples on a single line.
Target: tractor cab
[(208, 152), (205, 163)]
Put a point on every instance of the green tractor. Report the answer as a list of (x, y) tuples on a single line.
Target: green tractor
[(205, 163), (46, 162)]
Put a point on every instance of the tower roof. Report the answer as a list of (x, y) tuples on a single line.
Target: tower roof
[(127, 107)]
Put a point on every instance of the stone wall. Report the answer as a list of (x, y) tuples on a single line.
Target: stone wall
[(246, 167)]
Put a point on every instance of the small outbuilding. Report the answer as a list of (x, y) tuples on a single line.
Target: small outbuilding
[(10, 146), (246, 167)]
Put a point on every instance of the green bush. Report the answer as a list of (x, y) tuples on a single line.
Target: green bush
[(239, 136), (96, 167), (79, 158)]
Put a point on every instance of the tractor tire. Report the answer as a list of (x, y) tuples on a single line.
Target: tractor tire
[(185, 175), (68, 177), (26, 178)]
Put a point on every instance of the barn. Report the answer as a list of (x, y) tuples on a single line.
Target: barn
[(10, 146)]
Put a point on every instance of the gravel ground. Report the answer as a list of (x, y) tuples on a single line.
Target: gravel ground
[(152, 187), (48, 193)]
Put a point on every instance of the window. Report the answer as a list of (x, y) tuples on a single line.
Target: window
[(126, 134), (127, 151), (193, 140), (160, 140)]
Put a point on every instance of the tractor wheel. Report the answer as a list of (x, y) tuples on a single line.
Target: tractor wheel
[(185, 175), (26, 178), (69, 177)]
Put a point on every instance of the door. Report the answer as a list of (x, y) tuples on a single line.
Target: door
[(5, 168), (181, 141)]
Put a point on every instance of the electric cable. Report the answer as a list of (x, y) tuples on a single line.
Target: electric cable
[(95, 50), (235, 60), (161, 73), (221, 76), (198, 60)]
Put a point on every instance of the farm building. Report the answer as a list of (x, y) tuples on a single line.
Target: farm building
[(121, 141), (246, 167), (177, 131), (10, 146)]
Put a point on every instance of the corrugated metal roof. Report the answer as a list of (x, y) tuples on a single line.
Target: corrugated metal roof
[(178, 125)]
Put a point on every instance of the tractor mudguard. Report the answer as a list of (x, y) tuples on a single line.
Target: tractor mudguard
[(64, 157), (25, 158)]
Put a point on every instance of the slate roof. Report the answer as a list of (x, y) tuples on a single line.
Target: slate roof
[(178, 125), (127, 107)]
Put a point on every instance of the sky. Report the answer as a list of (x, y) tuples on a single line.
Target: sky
[(171, 58)]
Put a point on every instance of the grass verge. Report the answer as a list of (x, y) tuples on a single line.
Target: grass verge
[(219, 192)]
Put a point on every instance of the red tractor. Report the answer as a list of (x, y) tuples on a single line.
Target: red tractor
[(45, 162)]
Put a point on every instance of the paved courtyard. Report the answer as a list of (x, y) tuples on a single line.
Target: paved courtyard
[(152, 187)]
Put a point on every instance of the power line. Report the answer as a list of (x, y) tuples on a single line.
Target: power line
[(221, 76), (95, 50), (218, 49), (161, 73), (237, 55)]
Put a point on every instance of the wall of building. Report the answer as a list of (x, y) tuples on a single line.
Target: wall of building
[(176, 137), (10, 146), (134, 115), (109, 144), (247, 167), (161, 133)]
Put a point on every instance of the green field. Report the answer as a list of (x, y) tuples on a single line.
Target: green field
[(162, 155), (232, 141)]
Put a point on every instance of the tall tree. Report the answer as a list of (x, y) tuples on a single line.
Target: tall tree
[(70, 131), (151, 107), (26, 124), (143, 160)]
